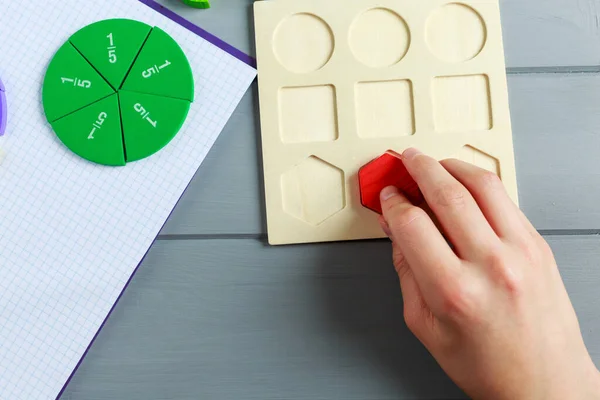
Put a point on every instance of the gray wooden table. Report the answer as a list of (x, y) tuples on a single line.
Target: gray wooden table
[(214, 313)]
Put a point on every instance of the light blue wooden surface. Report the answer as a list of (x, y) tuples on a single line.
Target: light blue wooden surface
[(236, 319), (214, 313)]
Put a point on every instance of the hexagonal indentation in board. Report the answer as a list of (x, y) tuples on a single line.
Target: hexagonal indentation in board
[(313, 190), (477, 157)]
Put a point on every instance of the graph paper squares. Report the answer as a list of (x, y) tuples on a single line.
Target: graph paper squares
[(79, 230)]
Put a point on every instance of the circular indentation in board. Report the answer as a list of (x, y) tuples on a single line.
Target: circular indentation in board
[(303, 43), (118, 91), (455, 33), (379, 38)]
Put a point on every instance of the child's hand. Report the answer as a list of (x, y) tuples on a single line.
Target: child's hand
[(492, 308)]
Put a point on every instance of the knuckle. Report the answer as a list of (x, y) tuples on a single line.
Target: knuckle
[(513, 283), (450, 195), (530, 251), (544, 248), (490, 180), (504, 272), (400, 264), (496, 258), (460, 301), (536, 251), (422, 162), (412, 319), (403, 216)]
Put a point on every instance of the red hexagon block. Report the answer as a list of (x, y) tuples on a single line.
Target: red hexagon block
[(387, 170)]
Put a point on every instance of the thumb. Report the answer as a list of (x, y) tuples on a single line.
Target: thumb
[(415, 308), (416, 311), (422, 258)]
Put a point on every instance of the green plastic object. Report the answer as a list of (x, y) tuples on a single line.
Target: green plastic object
[(149, 122), (71, 84), (102, 122), (161, 69), (94, 132), (111, 46), (197, 3)]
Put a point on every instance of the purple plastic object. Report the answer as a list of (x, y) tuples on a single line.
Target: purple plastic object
[(3, 109)]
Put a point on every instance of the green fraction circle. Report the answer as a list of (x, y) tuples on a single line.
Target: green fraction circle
[(118, 91)]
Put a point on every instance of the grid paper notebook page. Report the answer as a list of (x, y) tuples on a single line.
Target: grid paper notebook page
[(72, 232)]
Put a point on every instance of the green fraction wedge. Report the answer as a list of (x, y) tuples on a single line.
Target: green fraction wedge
[(197, 3), (149, 122), (161, 69), (70, 84), (111, 46), (94, 132), (118, 91)]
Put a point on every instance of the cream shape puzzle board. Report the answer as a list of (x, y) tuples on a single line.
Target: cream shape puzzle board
[(342, 81)]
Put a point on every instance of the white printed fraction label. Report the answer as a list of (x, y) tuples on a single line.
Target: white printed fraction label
[(97, 124), (149, 122), (86, 84), (94, 132), (161, 69), (155, 70), (111, 46), (145, 114), (71, 84)]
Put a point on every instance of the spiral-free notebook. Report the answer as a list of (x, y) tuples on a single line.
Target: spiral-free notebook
[(72, 233)]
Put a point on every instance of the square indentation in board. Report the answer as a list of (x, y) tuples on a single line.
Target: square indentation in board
[(462, 103), (385, 109), (308, 114)]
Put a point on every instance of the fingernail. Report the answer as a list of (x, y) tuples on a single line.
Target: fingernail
[(410, 153), (388, 193)]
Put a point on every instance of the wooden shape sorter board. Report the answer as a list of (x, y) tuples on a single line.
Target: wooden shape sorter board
[(341, 82)]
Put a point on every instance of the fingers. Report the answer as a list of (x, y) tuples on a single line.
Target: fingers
[(417, 314), (493, 200), (528, 225), (385, 227), (421, 245), (453, 205)]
